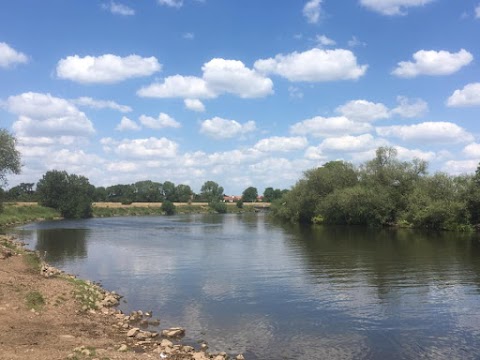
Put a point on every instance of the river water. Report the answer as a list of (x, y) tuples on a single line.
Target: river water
[(273, 291)]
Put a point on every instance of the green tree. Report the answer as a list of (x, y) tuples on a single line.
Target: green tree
[(148, 191), (22, 192), (271, 194), (121, 193), (211, 192), (71, 194), (100, 194), (168, 207), (169, 191), (250, 194), (183, 193), (9, 157)]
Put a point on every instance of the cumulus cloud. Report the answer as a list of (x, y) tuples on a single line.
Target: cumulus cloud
[(363, 110), (468, 96), (410, 108), (315, 65), (393, 7), (457, 167), (429, 132), (472, 150), (178, 86), (162, 121), (106, 69), (101, 104), (220, 76), (349, 143), (312, 11), (433, 63), (119, 9), (281, 144), (10, 57), (477, 12), (194, 105), (409, 154), (142, 148), (323, 40), (45, 115), (219, 128), (171, 3), (333, 126), (127, 124)]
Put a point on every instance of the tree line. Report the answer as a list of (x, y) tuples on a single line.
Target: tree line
[(383, 191)]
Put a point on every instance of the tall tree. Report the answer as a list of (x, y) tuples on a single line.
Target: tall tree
[(71, 194), (183, 193), (9, 156), (250, 194), (211, 192)]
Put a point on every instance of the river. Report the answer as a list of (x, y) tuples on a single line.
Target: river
[(273, 291)]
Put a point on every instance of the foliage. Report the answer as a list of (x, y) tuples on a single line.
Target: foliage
[(34, 300), (218, 206), (271, 194), (23, 214), (23, 192), (211, 192), (383, 191), (250, 194), (71, 194), (183, 193), (240, 204), (9, 156), (168, 207)]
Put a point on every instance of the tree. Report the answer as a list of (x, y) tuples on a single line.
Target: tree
[(9, 156), (183, 193), (70, 194), (168, 207), (148, 191), (250, 194), (169, 191), (211, 192), (22, 192)]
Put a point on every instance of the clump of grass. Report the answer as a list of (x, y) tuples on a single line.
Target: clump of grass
[(33, 261), (88, 295), (35, 300), (13, 214)]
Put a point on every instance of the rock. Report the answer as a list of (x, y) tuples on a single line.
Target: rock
[(154, 322), (188, 349), (200, 356), (67, 337), (123, 348), (174, 332), (219, 357), (204, 346), (133, 332), (166, 343), (110, 301), (141, 336), (240, 357)]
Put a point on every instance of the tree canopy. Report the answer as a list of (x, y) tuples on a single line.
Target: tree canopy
[(250, 194), (9, 156)]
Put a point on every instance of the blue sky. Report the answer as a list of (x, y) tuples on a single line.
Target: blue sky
[(239, 92)]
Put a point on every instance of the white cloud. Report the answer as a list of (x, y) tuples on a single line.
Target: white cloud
[(472, 151), (106, 69), (119, 9), (315, 153), (122, 166), (224, 129), (433, 63), (349, 143), (408, 108), (144, 148), (312, 11), (295, 92), (101, 104), (393, 7), (163, 121), (188, 36), (232, 76), (45, 115), (220, 76), (354, 42), (281, 144), (333, 126), (468, 96), (178, 86), (427, 132), (315, 65), (324, 40), (363, 111), (127, 124), (171, 3), (194, 105), (409, 154), (457, 167), (477, 12), (10, 57)]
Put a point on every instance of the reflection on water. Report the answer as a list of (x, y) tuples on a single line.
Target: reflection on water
[(274, 291)]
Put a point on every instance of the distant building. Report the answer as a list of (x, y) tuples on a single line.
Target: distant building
[(231, 198)]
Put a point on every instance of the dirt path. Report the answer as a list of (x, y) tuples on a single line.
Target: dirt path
[(48, 318)]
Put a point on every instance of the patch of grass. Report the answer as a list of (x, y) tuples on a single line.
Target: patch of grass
[(35, 300), (88, 295), (13, 214), (33, 261)]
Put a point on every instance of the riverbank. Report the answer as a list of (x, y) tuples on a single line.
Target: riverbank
[(20, 213), (47, 314)]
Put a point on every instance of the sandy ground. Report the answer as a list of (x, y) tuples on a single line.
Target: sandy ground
[(56, 329)]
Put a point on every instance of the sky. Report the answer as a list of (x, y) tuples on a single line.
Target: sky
[(244, 93)]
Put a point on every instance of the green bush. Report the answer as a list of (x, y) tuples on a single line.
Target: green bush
[(168, 207), (219, 207)]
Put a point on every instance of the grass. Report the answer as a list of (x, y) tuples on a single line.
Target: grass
[(35, 300), (13, 214), (32, 260), (85, 293)]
